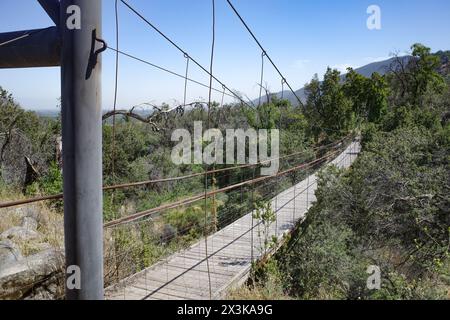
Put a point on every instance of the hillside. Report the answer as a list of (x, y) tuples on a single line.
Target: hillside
[(381, 67)]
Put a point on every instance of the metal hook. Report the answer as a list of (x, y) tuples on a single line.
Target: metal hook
[(105, 46), (93, 59)]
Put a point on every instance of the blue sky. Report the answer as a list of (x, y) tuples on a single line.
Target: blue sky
[(303, 37)]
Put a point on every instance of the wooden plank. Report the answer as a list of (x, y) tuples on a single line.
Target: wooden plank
[(174, 293)]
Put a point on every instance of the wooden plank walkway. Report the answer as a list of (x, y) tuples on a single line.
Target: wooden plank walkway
[(184, 275)]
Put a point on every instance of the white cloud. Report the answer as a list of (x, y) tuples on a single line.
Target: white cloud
[(301, 63)]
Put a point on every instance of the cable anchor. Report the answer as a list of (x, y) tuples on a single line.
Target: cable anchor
[(93, 59)]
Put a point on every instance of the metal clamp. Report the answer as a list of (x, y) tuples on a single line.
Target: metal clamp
[(105, 46), (93, 59)]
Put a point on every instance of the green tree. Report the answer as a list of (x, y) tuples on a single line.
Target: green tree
[(424, 73), (328, 109), (415, 77), (369, 96)]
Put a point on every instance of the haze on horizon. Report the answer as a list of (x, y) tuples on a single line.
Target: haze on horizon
[(302, 37)]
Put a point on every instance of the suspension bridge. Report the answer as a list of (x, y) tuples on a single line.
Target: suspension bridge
[(213, 264), (210, 267)]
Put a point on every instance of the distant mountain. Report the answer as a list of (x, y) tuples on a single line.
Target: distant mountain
[(48, 113), (382, 67), (445, 62)]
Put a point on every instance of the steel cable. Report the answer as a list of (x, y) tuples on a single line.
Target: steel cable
[(59, 196), (182, 51), (262, 48)]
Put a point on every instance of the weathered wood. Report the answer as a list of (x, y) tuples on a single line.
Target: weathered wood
[(185, 275)]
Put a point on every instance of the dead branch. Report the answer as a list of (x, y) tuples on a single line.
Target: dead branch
[(132, 114), (156, 116)]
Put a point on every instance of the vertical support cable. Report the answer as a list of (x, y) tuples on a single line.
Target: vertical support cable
[(276, 206), (348, 156), (220, 110), (146, 283), (263, 54), (223, 96), (213, 205), (186, 78), (242, 187), (295, 200), (208, 125), (116, 84), (113, 137), (253, 211), (307, 193), (278, 177)]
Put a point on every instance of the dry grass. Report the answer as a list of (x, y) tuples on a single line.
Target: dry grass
[(271, 290), (50, 225), (8, 220), (8, 216)]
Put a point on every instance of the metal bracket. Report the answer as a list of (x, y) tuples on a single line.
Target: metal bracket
[(30, 48), (93, 59), (105, 46)]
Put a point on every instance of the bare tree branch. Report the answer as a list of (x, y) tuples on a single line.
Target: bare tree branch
[(158, 114)]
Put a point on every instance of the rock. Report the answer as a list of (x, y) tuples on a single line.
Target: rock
[(20, 234), (43, 246), (9, 253), (48, 290), (40, 293), (29, 223), (13, 165), (29, 211), (31, 174), (28, 277)]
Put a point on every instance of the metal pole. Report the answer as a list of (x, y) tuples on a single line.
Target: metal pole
[(82, 147)]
